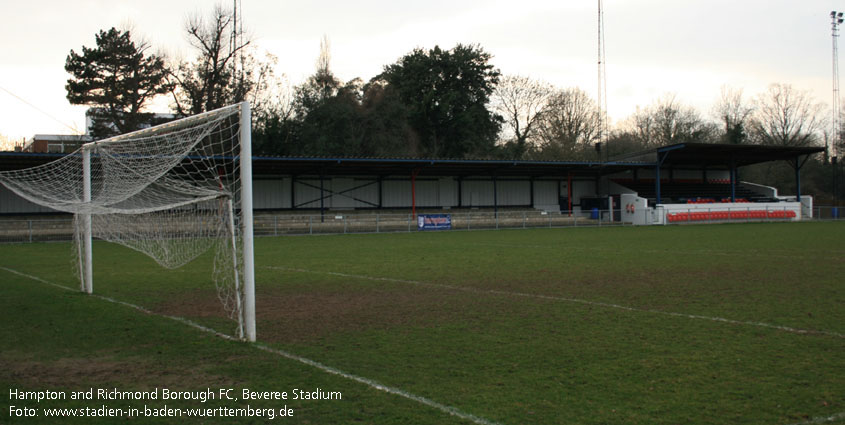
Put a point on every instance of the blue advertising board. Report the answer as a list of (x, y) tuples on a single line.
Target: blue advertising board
[(434, 222)]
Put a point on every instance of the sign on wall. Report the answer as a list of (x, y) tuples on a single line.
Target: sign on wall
[(434, 222)]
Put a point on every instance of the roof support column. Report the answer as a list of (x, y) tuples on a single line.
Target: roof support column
[(460, 192), (322, 197), (569, 193), (798, 165), (495, 198), (531, 190), (733, 181), (292, 192), (798, 179), (379, 191), (657, 181), (662, 153), (414, 191), (661, 156)]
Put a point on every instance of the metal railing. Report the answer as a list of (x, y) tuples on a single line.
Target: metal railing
[(14, 230), (828, 213), (339, 223), (27, 230)]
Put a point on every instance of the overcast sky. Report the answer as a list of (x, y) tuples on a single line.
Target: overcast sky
[(688, 48)]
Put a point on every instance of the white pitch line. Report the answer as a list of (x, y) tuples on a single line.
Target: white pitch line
[(823, 419), (290, 356), (674, 251), (373, 384), (569, 300), (36, 278)]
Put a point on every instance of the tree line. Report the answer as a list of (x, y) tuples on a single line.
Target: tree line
[(436, 102)]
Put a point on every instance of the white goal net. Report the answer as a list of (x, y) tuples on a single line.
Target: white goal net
[(173, 192)]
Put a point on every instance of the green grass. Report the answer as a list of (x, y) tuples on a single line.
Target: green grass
[(545, 326)]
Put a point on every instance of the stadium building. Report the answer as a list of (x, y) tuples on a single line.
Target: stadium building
[(678, 183)]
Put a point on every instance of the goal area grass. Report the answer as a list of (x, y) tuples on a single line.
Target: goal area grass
[(705, 324)]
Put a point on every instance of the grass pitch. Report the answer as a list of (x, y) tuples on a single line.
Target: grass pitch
[(707, 324)]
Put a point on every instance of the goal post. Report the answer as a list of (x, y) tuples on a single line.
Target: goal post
[(173, 191), (87, 245), (246, 208)]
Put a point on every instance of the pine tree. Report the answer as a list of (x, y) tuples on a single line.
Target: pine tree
[(117, 79)]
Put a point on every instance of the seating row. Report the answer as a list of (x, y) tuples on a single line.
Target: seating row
[(669, 181), (713, 201), (678, 192), (728, 215)]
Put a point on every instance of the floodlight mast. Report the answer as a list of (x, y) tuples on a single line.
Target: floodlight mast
[(236, 38), (836, 19), (601, 98)]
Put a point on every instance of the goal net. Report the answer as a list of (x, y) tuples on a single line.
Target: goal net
[(173, 192)]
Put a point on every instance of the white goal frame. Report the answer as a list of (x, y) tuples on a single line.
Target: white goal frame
[(84, 210)]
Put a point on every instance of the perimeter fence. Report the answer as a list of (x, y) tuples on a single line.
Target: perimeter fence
[(15, 229)]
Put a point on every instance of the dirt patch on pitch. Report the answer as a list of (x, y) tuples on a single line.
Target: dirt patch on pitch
[(303, 317), (100, 372), (310, 315)]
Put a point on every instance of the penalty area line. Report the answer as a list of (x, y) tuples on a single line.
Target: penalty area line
[(453, 411), (568, 300)]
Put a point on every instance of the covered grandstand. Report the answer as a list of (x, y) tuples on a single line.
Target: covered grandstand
[(676, 183), (689, 182)]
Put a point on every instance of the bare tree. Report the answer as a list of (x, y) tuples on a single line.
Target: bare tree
[(677, 123), (734, 113), (272, 95), (640, 126), (570, 124), (324, 78), (785, 116), (212, 80), (521, 102), (321, 86), (666, 122)]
